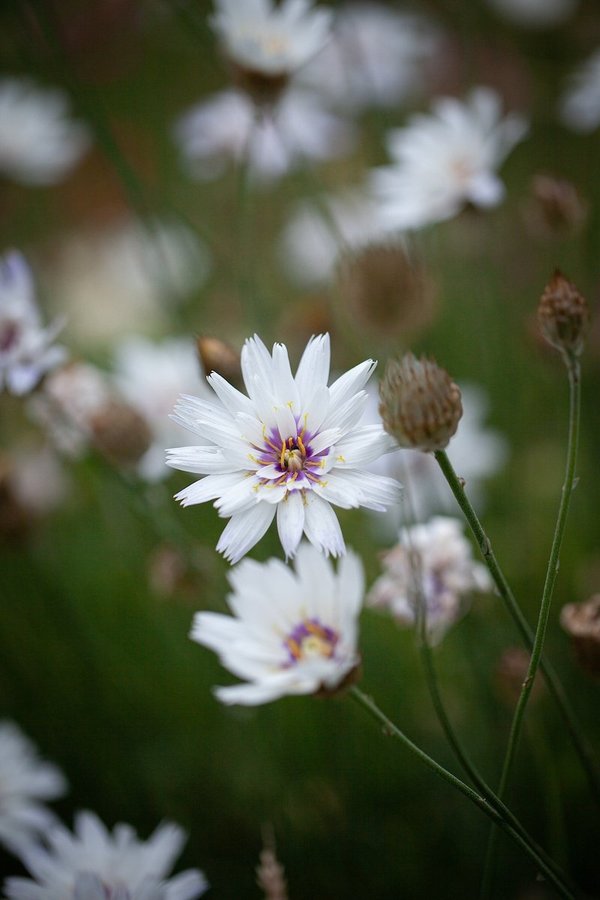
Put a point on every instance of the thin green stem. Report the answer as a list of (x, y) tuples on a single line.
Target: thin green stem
[(393, 731), (555, 687), (573, 369)]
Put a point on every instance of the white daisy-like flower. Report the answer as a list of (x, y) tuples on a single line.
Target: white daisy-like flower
[(92, 864), (27, 350), (292, 632), (580, 104), (228, 128), (151, 376), (311, 242), (445, 160), (535, 13), (39, 142), (26, 782), (270, 39), (291, 448), (375, 57), (433, 563)]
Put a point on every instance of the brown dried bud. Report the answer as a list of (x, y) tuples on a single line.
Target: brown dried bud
[(510, 674), (120, 433), (217, 356), (385, 291), (420, 404), (582, 622), (557, 206), (563, 315)]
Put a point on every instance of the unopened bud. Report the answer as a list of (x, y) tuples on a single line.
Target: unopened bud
[(385, 290), (582, 622), (217, 356), (120, 433), (563, 315), (557, 206), (420, 404)]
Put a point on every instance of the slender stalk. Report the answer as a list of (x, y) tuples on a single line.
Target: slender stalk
[(573, 369), (555, 687), (393, 731)]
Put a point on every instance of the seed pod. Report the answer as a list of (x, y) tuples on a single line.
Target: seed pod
[(563, 315), (582, 622)]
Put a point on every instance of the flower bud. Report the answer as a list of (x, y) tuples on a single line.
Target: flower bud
[(120, 433), (582, 622), (557, 208), (563, 315), (420, 404), (217, 356)]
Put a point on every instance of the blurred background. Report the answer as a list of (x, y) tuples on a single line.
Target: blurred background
[(148, 249)]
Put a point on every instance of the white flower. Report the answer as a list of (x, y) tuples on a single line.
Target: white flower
[(375, 57), (535, 13), (293, 633), (126, 277), (432, 564), (312, 242), (25, 782), (26, 349), (228, 128), (151, 377), (292, 448), (445, 160), (273, 40), (580, 104), (39, 143), (92, 864), (476, 451)]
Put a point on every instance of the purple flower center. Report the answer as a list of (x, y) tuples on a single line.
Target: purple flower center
[(296, 464), (310, 639)]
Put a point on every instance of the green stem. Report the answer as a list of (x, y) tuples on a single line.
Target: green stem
[(542, 623), (555, 687), (393, 731)]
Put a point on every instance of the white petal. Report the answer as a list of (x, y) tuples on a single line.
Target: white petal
[(239, 496), (322, 527), (283, 381), (208, 488), (313, 368), (350, 382), (244, 530), (199, 460), (290, 522), (364, 445), (232, 399)]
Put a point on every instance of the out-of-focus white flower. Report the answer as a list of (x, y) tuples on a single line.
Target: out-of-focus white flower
[(92, 864), (39, 143), (432, 564), (535, 13), (228, 128), (476, 452), (126, 278), (273, 40), (580, 104), (151, 377), (311, 242), (447, 159), (293, 633), (27, 351), (293, 447), (25, 783), (374, 58)]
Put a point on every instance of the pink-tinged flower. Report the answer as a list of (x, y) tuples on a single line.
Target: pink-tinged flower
[(433, 564), (27, 350), (292, 632), (26, 782), (445, 160), (291, 449), (92, 864)]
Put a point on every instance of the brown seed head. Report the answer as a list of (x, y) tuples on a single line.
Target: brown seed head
[(385, 290), (217, 356), (120, 433), (557, 207), (420, 404), (582, 622), (563, 315)]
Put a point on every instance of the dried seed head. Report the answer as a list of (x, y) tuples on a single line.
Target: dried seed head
[(582, 622), (420, 404), (385, 290), (563, 315), (120, 433), (557, 207), (217, 356)]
